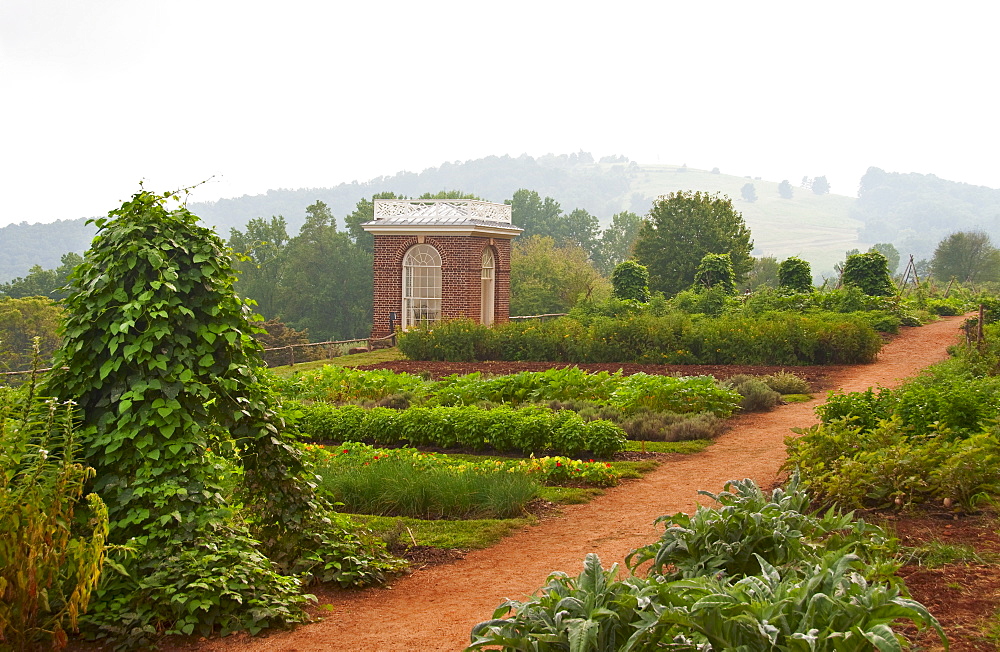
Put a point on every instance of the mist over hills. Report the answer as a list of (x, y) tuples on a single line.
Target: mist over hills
[(912, 211)]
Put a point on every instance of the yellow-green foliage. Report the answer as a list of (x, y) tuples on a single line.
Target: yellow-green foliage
[(48, 566)]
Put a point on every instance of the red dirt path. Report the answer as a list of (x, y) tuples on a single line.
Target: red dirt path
[(435, 608)]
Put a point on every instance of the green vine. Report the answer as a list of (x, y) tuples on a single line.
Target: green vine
[(159, 355)]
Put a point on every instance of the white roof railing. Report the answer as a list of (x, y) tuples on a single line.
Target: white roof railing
[(442, 208)]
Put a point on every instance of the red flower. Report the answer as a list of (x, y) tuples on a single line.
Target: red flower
[(558, 463), (346, 451)]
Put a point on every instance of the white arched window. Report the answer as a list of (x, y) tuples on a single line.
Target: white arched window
[(489, 283), (421, 286)]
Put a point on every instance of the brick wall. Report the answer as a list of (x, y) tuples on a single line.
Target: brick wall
[(461, 281)]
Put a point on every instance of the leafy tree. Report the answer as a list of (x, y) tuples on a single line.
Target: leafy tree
[(764, 273), (547, 278), (715, 271), (795, 274), (365, 212), (21, 321), (325, 284), (785, 189), (159, 356), (748, 192), (630, 281), (967, 256), (581, 228), (446, 194), (617, 240), (43, 282), (684, 226), (260, 251), (869, 272), (891, 254), (538, 216), (820, 185)]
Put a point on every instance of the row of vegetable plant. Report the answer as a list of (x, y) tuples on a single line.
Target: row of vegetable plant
[(628, 393), (526, 430), (934, 439), (363, 479), (761, 572)]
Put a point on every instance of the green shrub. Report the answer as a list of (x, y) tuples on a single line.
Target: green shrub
[(630, 281), (785, 382), (795, 274), (869, 272), (670, 394), (863, 409), (757, 396)]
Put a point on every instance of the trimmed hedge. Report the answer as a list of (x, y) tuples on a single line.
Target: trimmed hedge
[(524, 430), (772, 339)]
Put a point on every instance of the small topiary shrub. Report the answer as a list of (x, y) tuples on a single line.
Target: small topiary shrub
[(795, 274)]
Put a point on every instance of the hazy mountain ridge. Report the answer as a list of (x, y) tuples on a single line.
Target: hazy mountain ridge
[(913, 211)]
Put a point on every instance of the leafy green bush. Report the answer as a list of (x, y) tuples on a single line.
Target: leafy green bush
[(869, 272), (528, 430), (757, 396), (159, 357), (630, 281), (785, 382), (795, 274), (863, 409), (670, 394)]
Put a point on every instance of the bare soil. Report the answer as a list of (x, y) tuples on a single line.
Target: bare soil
[(436, 606)]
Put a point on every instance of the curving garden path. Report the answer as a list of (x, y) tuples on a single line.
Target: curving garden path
[(435, 608)]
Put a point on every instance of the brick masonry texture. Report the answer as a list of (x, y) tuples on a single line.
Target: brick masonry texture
[(461, 281)]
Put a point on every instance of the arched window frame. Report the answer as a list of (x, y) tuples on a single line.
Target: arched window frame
[(488, 276), (421, 287)]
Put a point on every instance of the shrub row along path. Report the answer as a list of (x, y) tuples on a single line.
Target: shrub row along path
[(435, 608)]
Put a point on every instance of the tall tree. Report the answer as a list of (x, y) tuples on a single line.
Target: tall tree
[(326, 281), (547, 278), (891, 254), (535, 215), (365, 212), (764, 273), (260, 256), (43, 282), (748, 192), (616, 242), (820, 185), (967, 256), (785, 189), (684, 226), (21, 320)]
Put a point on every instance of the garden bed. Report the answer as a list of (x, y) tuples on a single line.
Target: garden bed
[(820, 377)]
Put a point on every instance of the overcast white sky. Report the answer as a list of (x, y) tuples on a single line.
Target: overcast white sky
[(98, 94)]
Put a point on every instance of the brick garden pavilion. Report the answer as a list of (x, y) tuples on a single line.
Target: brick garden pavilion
[(440, 259)]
